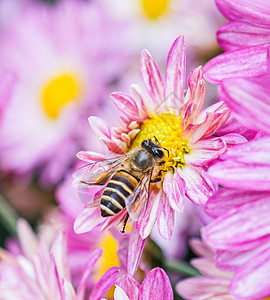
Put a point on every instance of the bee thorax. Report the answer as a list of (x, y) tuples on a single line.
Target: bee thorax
[(141, 161)]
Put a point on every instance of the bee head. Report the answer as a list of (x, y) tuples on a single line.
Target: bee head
[(153, 148)]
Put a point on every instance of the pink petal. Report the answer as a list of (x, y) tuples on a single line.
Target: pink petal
[(7, 82), (254, 111), (198, 288), (240, 228), (99, 126), (120, 294), (156, 285), (135, 248), (90, 156), (225, 199), (151, 78), (205, 150), (195, 94), (174, 188), (251, 281), (237, 34), (146, 223), (233, 260), (95, 255), (198, 187), (194, 132), (200, 248), (165, 218), (111, 145), (144, 103), (208, 268), (232, 139), (239, 176), (245, 10), (104, 284), (176, 73), (130, 286), (126, 104), (27, 238), (237, 63), (88, 220)]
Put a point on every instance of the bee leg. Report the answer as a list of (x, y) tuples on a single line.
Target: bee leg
[(125, 223), (157, 179)]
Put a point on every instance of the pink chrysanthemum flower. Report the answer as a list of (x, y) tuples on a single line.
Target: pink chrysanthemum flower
[(64, 57), (42, 272), (7, 81), (172, 116)]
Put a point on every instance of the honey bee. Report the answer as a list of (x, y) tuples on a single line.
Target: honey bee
[(127, 179)]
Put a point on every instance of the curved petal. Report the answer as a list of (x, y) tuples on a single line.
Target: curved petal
[(89, 219), (204, 151), (152, 78), (156, 285), (176, 74), (241, 228), (104, 284), (174, 188), (146, 223), (130, 286), (197, 288), (126, 104), (237, 175), (245, 10), (254, 111), (165, 218), (237, 34), (225, 199), (99, 126), (198, 187), (238, 63), (135, 248), (251, 280)]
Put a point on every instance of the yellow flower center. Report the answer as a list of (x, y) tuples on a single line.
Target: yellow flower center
[(167, 129), (154, 8), (58, 92)]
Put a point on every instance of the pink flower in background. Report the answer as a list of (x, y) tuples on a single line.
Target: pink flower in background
[(64, 56), (242, 73), (157, 24), (249, 23), (7, 81), (43, 273), (179, 126), (214, 282), (156, 285), (240, 231)]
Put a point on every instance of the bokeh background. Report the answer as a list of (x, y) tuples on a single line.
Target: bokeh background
[(59, 61)]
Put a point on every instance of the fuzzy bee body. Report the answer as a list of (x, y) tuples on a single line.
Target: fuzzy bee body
[(119, 187)]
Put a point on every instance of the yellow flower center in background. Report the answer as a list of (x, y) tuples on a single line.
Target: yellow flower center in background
[(59, 92), (167, 129), (154, 8)]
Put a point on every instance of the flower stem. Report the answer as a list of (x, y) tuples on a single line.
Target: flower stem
[(8, 216), (182, 267)]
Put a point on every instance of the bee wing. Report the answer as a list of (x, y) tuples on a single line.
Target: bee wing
[(136, 203), (97, 173)]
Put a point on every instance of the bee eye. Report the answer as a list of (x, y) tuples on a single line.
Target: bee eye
[(159, 153)]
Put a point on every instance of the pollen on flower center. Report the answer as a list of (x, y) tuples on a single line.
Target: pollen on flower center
[(58, 92), (154, 9), (167, 129)]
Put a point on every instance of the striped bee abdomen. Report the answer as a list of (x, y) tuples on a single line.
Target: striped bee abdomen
[(119, 187)]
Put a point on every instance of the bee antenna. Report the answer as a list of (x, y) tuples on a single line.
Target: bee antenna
[(167, 151), (156, 139)]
